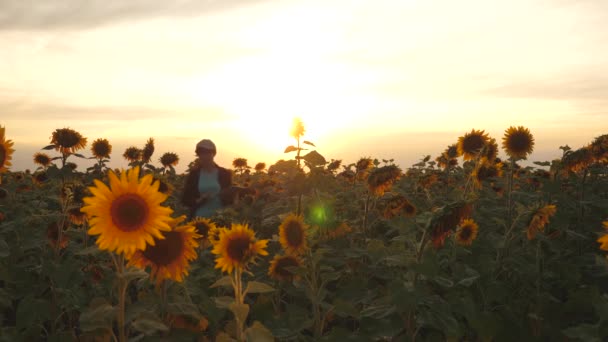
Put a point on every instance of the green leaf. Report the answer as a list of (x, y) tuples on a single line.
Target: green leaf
[(149, 324), (79, 155), (290, 148), (378, 311), (445, 282), (258, 287), (308, 143), (240, 311), (224, 302), (257, 332), (99, 315), (584, 332), (223, 281), (4, 250), (133, 273), (91, 250), (48, 147)]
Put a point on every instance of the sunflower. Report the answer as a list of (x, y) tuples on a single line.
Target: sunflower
[(470, 144), (578, 160), (398, 205), (42, 159), (490, 150), (466, 232), (52, 233), (132, 154), (381, 179), (518, 142), (40, 178), (148, 151), (237, 247), (127, 215), (204, 227), (170, 256), (604, 239), (76, 216), (101, 148), (163, 186), (599, 148), (67, 140), (446, 220), (539, 220), (341, 230), (239, 163), (259, 167), (169, 159), (213, 235), (451, 152), (6, 151), (484, 170), (297, 128), (279, 264), (334, 165), (292, 234)]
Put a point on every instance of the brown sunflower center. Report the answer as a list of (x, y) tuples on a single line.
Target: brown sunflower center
[(519, 142), (294, 233), (101, 149), (129, 212), (465, 233), (283, 263), (202, 228), (2, 155), (68, 139), (473, 143), (238, 248), (166, 251)]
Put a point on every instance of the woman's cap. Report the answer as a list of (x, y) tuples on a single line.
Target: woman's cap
[(206, 144)]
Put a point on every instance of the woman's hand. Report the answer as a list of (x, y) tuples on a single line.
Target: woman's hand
[(204, 197)]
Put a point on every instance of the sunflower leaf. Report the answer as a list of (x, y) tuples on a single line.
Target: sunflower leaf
[(79, 155), (308, 143), (223, 281), (149, 324), (134, 273), (258, 287), (240, 311), (49, 147), (258, 332), (224, 302), (290, 148)]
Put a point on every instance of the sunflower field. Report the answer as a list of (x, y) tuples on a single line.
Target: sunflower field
[(463, 246)]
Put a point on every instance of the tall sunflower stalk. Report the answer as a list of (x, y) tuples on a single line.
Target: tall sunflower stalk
[(297, 131), (517, 142)]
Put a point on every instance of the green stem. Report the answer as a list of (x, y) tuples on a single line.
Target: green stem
[(365, 212), (122, 291)]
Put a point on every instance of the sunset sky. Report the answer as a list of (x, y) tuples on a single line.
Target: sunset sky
[(386, 79)]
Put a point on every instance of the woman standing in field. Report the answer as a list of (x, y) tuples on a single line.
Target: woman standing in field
[(208, 186)]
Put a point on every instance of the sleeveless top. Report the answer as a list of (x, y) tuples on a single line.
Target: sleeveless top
[(208, 183)]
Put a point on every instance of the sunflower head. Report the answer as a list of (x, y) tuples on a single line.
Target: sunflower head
[(169, 159), (578, 160), (42, 159), (447, 219), (101, 148), (484, 170), (518, 142), (297, 128), (132, 154), (239, 163), (76, 216), (163, 186), (237, 247), (128, 215), (292, 234), (381, 179), (280, 265), (169, 257), (52, 233), (204, 227), (466, 232), (539, 220), (6, 151), (148, 151), (67, 140), (470, 144), (398, 205), (40, 178), (490, 150), (259, 167), (334, 165), (451, 152)]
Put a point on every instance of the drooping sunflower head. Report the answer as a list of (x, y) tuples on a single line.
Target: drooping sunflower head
[(281, 267), (40, 178), (52, 233), (363, 165), (451, 152), (518, 142), (490, 150), (334, 165), (446, 220), (259, 167), (163, 186), (6, 151), (539, 220), (599, 148), (169, 257), (67, 140), (381, 179), (237, 247), (101, 148), (148, 151), (42, 159), (292, 234), (297, 128), (132, 154), (76, 216), (128, 215), (169, 159), (466, 232), (485, 170), (204, 227), (470, 144), (239, 163), (578, 160)]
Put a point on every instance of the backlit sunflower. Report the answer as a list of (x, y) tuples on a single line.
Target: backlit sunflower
[(466, 232), (297, 128), (599, 148), (203, 227), (163, 186), (470, 144), (239, 163), (484, 170), (259, 167), (446, 220), (40, 178), (279, 265), (381, 179), (539, 220), (518, 142), (148, 151), (170, 256), (6, 151), (604, 239), (451, 152), (127, 215), (101, 148), (292, 234), (578, 160), (398, 205), (490, 150), (67, 140), (76, 216), (169, 159), (42, 159), (132, 154), (237, 247)]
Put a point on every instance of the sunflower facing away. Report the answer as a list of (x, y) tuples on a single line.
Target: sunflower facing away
[(604, 239), (170, 257), (539, 220), (470, 144), (292, 234), (101, 148), (518, 142), (67, 140), (169, 159), (237, 247), (467, 232), (42, 159), (6, 151), (132, 154), (127, 215), (279, 265), (148, 151)]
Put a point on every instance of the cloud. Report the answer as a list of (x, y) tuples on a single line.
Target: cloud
[(78, 14)]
